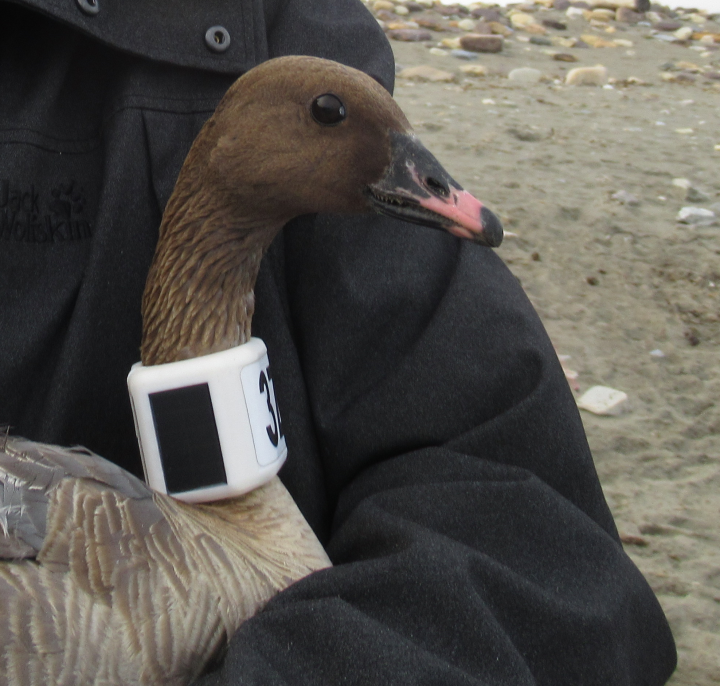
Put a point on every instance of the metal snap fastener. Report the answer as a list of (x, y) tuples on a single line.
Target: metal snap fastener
[(217, 38), (90, 7)]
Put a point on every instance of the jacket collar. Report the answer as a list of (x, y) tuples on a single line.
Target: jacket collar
[(171, 31)]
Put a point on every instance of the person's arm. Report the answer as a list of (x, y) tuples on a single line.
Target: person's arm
[(437, 451), (471, 539)]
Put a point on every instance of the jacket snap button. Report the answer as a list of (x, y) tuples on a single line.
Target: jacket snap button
[(90, 7), (217, 38)]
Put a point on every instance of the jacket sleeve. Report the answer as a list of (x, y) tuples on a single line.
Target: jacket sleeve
[(437, 451), (470, 537)]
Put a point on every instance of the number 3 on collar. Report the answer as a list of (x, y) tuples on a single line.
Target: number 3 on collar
[(209, 428)]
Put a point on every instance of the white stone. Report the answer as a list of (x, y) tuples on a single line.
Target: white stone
[(574, 12), (525, 75), (695, 215), (521, 19), (439, 52), (466, 25), (613, 4), (401, 10), (657, 353), (587, 76), (682, 183), (684, 33), (603, 400)]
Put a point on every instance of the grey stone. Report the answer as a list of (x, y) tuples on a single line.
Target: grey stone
[(476, 42), (696, 195), (413, 35), (668, 25), (464, 54), (525, 75), (554, 24), (697, 216), (625, 198)]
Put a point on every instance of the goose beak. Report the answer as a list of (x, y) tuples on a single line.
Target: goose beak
[(416, 188)]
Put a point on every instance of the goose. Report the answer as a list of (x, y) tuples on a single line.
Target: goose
[(106, 581)]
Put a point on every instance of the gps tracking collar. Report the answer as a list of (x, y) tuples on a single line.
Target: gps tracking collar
[(209, 427)]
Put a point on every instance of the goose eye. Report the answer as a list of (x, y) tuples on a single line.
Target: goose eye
[(328, 109)]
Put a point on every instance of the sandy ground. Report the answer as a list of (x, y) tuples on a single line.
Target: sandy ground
[(613, 282)]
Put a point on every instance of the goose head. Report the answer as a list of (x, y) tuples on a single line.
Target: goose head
[(293, 136)]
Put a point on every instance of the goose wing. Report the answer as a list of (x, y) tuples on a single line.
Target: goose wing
[(109, 582), (29, 474)]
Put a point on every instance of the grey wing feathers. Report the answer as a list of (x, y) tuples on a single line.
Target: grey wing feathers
[(128, 586), (29, 472)]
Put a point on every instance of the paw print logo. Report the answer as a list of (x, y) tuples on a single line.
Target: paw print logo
[(68, 200)]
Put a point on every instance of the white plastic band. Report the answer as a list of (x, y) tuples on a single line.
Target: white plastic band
[(209, 427)]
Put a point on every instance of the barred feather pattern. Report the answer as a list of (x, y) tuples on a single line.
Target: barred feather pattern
[(106, 582)]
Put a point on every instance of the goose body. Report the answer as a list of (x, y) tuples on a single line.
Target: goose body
[(104, 581)]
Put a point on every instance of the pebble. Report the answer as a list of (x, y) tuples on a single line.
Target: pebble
[(686, 191), (466, 25), (424, 72), (602, 14), (687, 66), (464, 54), (487, 13), (535, 30), (667, 24), (657, 353), (596, 42), (525, 75), (431, 24), (520, 20), (625, 198), (587, 76), (574, 13), (500, 29), (439, 52), (684, 33), (563, 42), (383, 5), (628, 16), (540, 40), (603, 400), (695, 215), (696, 195), (682, 77), (414, 35), (613, 4), (401, 10), (476, 42), (552, 24), (452, 43), (475, 70), (564, 57)]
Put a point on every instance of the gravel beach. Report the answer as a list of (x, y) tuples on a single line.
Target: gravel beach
[(591, 180)]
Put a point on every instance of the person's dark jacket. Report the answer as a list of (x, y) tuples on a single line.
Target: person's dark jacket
[(435, 447)]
